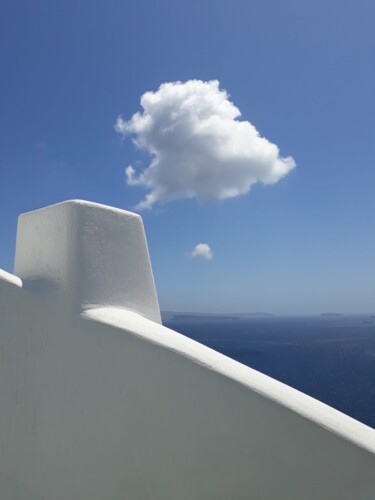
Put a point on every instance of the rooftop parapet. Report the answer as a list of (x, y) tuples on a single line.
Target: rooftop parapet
[(90, 254)]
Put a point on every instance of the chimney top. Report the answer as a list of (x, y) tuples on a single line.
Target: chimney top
[(92, 254)]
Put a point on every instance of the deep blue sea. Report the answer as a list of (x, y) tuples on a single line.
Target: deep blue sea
[(329, 358)]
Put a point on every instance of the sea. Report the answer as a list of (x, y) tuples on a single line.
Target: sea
[(329, 357)]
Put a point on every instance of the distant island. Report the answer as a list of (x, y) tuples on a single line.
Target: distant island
[(197, 316), (331, 315), (203, 317), (179, 316)]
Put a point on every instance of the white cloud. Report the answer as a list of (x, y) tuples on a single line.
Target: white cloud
[(198, 146), (202, 250)]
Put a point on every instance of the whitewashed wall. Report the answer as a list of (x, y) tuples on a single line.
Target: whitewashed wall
[(99, 401)]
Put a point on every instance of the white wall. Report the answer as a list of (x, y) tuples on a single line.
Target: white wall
[(103, 403)]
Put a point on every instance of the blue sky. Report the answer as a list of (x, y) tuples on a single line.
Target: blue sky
[(302, 73)]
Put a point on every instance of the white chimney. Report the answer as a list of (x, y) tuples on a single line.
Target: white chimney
[(90, 254)]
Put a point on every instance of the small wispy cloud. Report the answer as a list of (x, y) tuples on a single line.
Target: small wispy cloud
[(45, 158), (202, 250), (41, 148), (198, 146)]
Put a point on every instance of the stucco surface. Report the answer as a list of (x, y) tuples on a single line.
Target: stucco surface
[(89, 254), (100, 402)]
